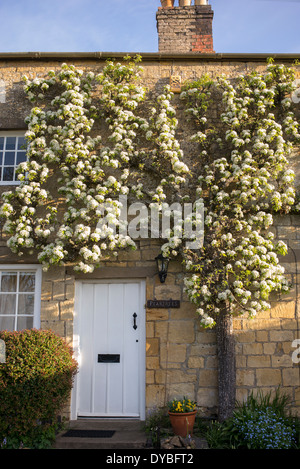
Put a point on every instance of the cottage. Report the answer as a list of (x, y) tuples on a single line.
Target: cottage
[(135, 334)]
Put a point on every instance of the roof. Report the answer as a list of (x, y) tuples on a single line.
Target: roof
[(148, 56)]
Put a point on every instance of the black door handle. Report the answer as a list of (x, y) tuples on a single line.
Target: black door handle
[(134, 321)]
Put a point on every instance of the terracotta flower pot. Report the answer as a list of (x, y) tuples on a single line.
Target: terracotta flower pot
[(182, 422), (185, 3), (167, 3)]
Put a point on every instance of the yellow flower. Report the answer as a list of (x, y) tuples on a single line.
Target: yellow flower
[(183, 405)]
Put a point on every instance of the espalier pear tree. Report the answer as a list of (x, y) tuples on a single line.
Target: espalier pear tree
[(94, 138), (244, 177), (85, 150)]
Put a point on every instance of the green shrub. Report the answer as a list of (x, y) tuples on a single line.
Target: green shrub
[(262, 422), (35, 383)]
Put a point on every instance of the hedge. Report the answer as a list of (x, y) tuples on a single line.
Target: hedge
[(35, 384)]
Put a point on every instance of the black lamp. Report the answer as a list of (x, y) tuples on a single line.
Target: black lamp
[(162, 267)]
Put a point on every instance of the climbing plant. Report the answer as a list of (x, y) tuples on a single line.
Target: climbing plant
[(244, 178), (85, 151)]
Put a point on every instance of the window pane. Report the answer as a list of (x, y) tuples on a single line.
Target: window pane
[(7, 323), (12, 153), (9, 159), (10, 143), (9, 282), (24, 323), (21, 157), (26, 304), (17, 300), (22, 143), (7, 304), (26, 282), (8, 174)]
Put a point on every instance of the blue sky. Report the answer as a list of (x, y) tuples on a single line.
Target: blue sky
[(241, 26)]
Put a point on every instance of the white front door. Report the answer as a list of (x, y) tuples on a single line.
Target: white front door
[(111, 331)]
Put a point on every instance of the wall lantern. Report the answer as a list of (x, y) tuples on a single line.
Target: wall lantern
[(162, 267)]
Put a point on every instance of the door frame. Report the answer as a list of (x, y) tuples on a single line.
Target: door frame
[(142, 341)]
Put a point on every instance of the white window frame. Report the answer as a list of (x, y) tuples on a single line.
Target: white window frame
[(38, 288), (10, 133)]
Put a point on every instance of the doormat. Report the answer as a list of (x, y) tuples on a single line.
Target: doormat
[(89, 433)]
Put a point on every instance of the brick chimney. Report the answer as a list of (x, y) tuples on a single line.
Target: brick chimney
[(185, 29)]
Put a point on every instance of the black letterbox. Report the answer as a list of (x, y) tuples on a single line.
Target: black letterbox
[(108, 358)]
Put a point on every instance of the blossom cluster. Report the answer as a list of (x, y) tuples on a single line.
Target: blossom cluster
[(250, 180), (67, 206), (63, 153), (168, 157)]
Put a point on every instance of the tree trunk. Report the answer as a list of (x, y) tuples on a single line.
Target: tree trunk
[(226, 365)]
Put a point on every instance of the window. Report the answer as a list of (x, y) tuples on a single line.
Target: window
[(12, 153), (20, 291)]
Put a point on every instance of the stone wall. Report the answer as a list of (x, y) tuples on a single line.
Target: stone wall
[(265, 346), (180, 355)]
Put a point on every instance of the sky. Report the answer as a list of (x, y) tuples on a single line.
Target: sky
[(239, 26)]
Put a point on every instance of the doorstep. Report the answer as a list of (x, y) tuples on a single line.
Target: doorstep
[(129, 434)]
